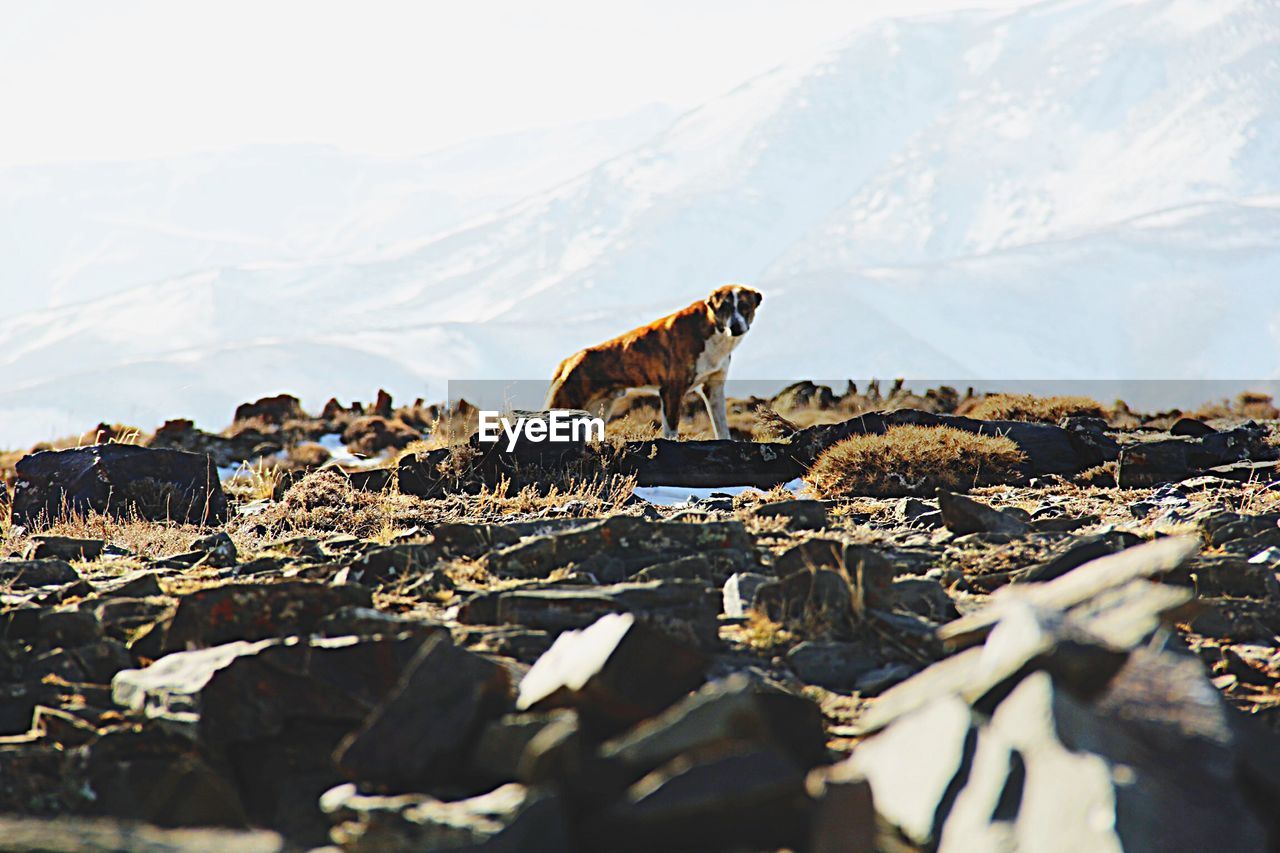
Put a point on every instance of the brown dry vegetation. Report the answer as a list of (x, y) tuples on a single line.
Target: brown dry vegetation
[(1258, 407), (139, 536), (913, 460), (325, 502), (579, 498), (1026, 407)]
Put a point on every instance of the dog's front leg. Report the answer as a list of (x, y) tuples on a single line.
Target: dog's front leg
[(717, 409)]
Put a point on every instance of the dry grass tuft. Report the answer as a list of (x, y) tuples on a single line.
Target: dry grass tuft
[(763, 634), (326, 502), (144, 538), (771, 426), (913, 460), (1026, 407), (259, 481), (580, 498), (1105, 475)]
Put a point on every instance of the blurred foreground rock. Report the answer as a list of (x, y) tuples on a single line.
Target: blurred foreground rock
[(1077, 724)]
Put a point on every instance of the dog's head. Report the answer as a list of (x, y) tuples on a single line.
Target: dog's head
[(734, 307)]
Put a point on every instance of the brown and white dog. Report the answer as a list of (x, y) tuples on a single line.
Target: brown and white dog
[(685, 351)]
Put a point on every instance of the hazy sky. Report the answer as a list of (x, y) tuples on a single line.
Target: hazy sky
[(86, 79)]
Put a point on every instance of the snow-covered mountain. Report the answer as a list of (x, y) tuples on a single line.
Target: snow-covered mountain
[(1083, 189), (76, 231)]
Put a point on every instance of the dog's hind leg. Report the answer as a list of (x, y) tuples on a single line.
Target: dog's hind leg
[(671, 397)]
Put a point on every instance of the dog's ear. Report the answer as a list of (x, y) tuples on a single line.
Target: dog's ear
[(756, 296), (718, 297)]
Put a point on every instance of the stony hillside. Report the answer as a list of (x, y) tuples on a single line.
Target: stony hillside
[(1018, 621)]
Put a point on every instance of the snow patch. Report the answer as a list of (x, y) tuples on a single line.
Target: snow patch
[(683, 495)]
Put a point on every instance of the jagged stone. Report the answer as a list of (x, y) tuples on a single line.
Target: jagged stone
[(816, 603), (501, 744), (250, 611), (963, 515), (20, 574), (1077, 586), (512, 641), (615, 673), (158, 777), (868, 571), (739, 592), (1079, 552), (65, 548), (271, 712), (126, 618), (925, 597), (67, 834), (616, 547), (919, 513), (800, 514), (752, 798), (394, 563), (1191, 427), (714, 568), (844, 819), (733, 710), (509, 819), (118, 479), (421, 733), (242, 691), (911, 765), (684, 609), (1150, 463), (366, 621), (834, 665), (93, 663), (217, 550), (139, 584)]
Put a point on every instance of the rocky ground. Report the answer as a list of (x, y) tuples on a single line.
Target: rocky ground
[(460, 648)]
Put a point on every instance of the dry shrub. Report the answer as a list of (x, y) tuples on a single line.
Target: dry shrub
[(1026, 407), (8, 467), (1259, 407), (638, 423), (913, 460), (308, 455), (764, 635), (326, 502), (1249, 404)]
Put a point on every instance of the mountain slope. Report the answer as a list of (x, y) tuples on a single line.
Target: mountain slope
[(1079, 190), (72, 232)]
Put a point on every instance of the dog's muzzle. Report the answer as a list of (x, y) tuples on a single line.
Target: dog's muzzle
[(737, 327)]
